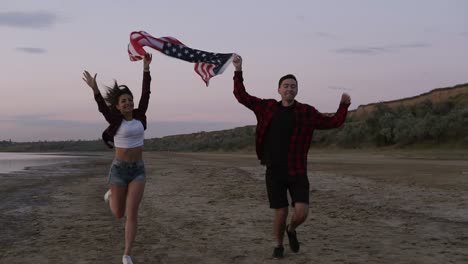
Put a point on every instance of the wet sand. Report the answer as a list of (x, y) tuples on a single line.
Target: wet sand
[(366, 207)]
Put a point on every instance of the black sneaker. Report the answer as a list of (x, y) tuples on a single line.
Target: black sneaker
[(278, 252), (293, 242)]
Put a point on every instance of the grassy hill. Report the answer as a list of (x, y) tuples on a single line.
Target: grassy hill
[(435, 96), (435, 119)]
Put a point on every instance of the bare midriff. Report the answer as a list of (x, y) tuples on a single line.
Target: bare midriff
[(129, 154)]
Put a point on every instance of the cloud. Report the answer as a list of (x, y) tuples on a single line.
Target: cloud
[(24, 117), (341, 88), (38, 19), (31, 50), (465, 34), (382, 49), (325, 35), (43, 127), (412, 45), (44, 120), (364, 51), (300, 18)]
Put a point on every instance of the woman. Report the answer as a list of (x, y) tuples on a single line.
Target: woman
[(126, 133)]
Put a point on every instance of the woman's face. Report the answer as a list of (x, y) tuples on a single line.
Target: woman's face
[(125, 104)]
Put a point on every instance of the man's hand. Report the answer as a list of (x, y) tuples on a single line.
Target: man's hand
[(345, 99), (237, 62)]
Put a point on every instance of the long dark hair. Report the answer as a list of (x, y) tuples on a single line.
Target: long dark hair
[(113, 94)]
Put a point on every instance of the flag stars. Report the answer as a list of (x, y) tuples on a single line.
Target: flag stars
[(208, 64)]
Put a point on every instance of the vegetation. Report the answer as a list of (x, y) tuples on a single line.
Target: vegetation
[(444, 123), (241, 138)]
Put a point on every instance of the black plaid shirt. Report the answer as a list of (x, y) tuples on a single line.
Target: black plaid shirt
[(115, 118), (307, 119)]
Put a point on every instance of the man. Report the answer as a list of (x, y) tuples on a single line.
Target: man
[(283, 135)]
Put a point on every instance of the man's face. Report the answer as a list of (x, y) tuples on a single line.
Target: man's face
[(288, 90)]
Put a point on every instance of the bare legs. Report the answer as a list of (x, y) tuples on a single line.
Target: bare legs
[(126, 199), (300, 212), (279, 226), (134, 195)]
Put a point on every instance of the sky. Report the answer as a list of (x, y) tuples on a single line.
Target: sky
[(374, 50)]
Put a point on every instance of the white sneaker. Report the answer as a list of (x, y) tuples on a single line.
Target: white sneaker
[(107, 196), (126, 259)]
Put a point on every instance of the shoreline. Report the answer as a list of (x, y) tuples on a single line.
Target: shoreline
[(19, 162), (28, 192)]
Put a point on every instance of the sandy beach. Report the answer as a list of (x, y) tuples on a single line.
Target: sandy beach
[(366, 207)]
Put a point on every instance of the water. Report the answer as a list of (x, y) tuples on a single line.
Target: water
[(18, 161)]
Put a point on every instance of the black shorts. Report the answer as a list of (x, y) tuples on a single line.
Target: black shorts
[(278, 182)]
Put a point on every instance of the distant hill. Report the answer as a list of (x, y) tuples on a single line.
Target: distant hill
[(460, 92), (434, 119), (240, 138)]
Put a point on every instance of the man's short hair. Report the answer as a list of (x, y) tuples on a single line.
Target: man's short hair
[(287, 76)]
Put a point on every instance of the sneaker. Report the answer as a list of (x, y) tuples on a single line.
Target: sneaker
[(278, 252), (126, 259), (107, 196), (293, 242)]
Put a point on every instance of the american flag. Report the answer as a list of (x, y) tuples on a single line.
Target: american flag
[(207, 64)]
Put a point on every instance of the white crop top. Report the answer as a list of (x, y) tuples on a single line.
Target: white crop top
[(130, 134)]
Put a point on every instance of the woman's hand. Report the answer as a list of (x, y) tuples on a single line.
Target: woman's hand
[(147, 61), (90, 81)]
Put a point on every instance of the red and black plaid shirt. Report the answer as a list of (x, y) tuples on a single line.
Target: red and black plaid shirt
[(307, 119)]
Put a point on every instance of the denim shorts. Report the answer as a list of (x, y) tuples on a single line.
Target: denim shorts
[(123, 172)]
